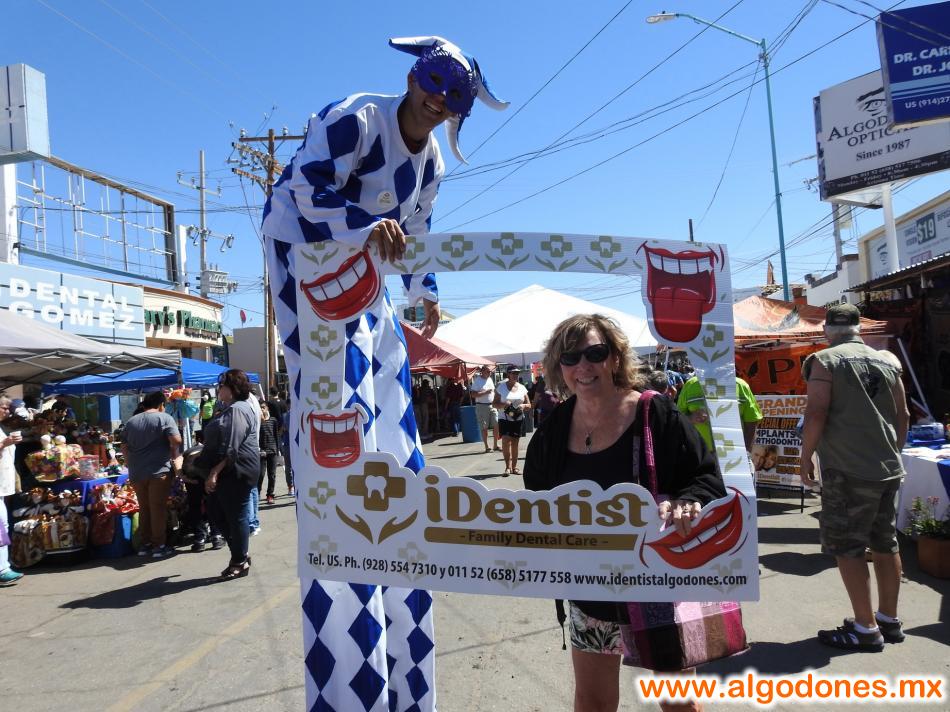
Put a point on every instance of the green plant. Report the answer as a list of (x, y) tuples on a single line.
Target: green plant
[(924, 522)]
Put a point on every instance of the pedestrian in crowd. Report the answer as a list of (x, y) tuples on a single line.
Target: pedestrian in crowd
[(254, 504), (207, 408), (201, 519), (590, 436), (692, 401), (658, 381), (8, 443), (511, 400), (427, 420), (483, 390), (62, 410), (454, 392), (285, 452), (234, 465), (856, 419), (150, 444), (269, 445), (545, 400), (275, 404)]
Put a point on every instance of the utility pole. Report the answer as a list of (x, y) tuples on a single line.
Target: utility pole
[(203, 232), (268, 164)]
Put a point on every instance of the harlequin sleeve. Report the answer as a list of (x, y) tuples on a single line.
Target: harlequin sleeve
[(321, 183), (423, 286)]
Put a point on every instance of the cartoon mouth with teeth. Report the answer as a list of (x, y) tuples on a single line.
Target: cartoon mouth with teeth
[(717, 532), (681, 288), (335, 439), (346, 292)]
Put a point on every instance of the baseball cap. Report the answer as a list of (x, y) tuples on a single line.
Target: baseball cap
[(842, 315), (513, 369)]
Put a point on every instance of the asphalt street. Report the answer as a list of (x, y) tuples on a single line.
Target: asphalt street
[(128, 634)]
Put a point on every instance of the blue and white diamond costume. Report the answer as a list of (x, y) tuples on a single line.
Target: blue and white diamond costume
[(366, 647)]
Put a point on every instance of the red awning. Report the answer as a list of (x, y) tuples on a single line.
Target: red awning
[(440, 358), (761, 321)]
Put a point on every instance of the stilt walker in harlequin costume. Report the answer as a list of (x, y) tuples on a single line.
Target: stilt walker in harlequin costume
[(368, 173)]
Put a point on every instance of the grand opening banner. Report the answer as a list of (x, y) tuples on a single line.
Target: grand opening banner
[(364, 518)]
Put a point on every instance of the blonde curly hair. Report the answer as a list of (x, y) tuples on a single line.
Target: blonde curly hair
[(630, 373)]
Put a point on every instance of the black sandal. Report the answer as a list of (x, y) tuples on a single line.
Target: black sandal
[(237, 570), (847, 637)]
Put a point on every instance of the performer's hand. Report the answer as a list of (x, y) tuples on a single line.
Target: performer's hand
[(389, 240), (432, 315), (681, 514)]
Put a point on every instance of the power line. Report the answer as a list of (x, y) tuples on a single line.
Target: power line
[(545, 85), (594, 113), (732, 149), (128, 57), (646, 140)]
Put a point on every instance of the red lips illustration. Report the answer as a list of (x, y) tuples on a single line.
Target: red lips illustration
[(334, 439), (681, 287), (346, 292), (716, 533)]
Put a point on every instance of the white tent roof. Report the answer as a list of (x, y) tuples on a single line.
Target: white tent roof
[(32, 352), (514, 328)]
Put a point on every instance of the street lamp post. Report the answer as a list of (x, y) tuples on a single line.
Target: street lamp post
[(664, 16)]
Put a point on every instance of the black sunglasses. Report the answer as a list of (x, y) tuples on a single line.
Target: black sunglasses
[(594, 354)]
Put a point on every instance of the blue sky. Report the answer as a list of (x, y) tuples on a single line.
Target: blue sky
[(136, 87)]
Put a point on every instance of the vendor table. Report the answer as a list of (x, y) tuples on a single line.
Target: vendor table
[(86, 487), (928, 475)]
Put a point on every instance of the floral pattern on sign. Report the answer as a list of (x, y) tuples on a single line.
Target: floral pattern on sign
[(324, 337), (604, 249), (412, 554), (323, 546), (613, 570), (713, 335), (414, 248), (324, 388), (557, 247), (321, 252), (506, 572), (727, 573), (506, 246), (456, 247)]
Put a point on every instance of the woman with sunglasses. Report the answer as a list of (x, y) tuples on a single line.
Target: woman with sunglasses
[(590, 436), (232, 454)]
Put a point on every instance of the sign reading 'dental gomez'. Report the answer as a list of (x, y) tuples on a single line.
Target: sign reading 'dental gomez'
[(856, 147), (78, 305), (915, 58), (366, 519)]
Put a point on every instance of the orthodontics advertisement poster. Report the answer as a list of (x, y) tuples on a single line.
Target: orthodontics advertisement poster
[(365, 518), (776, 453)]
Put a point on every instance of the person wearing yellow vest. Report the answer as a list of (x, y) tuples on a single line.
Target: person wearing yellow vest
[(691, 401)]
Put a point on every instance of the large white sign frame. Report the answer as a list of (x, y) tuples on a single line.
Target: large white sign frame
[(365, 519)]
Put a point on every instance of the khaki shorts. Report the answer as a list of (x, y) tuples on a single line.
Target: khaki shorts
[(857, 514), (486, 415)]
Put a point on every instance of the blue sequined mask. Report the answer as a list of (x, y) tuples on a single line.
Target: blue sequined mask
[(437, 72)]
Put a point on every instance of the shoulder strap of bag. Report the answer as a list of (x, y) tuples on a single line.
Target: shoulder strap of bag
[(649, 453)]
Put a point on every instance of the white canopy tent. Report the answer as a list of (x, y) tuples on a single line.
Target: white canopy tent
[(514, 328), (32, 352)]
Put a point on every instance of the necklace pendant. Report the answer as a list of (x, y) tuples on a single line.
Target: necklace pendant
[(587, 443)]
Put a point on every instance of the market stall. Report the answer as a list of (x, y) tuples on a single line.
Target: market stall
[(33, 352), (193, 373)]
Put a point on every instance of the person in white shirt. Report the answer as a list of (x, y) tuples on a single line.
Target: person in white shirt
[(511, 400), (483, 391), (8, 442)]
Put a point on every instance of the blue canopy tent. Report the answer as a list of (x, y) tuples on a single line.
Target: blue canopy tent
[(193, 373)]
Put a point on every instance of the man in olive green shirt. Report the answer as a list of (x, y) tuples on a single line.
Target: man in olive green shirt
[(856, 418)]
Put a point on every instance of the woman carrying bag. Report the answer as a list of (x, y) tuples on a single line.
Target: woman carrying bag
[(596, 435), (232, 452)]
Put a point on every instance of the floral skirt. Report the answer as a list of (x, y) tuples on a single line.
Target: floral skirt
[(592, 635)]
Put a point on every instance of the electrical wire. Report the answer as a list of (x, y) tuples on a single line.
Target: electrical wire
[(554, 76), (732, 149), (646, 140), (594, 113)]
